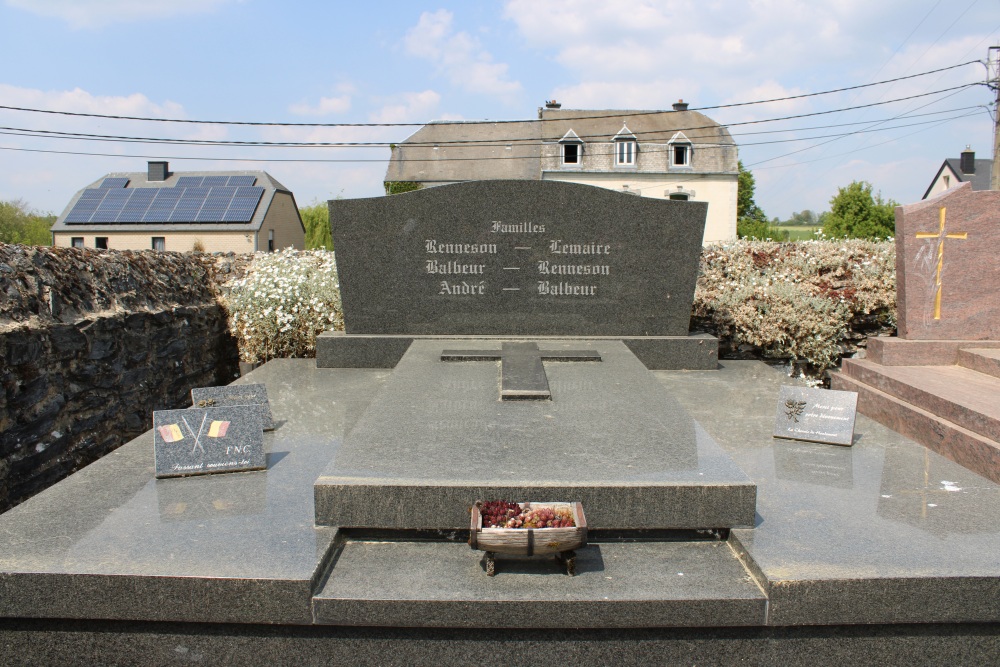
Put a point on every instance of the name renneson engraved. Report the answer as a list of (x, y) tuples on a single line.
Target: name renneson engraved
[(437, 247), (546, 267)]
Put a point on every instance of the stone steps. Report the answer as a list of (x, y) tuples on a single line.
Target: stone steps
[(959, 395), (920, 422), (617, 585), (983, 360)]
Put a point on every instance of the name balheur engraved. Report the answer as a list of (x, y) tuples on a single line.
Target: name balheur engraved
[(453, 268), (547, 288), (546, 267), (437, 247), (516, 227)]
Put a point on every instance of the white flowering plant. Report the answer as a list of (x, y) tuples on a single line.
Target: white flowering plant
[(282, 303), (804, 301)]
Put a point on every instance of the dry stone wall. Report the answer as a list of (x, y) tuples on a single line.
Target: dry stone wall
[(91, 342)]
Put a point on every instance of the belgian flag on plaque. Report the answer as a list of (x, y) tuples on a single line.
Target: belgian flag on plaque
[(198, 441)]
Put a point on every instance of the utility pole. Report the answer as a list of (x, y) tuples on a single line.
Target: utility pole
[(993, 81)]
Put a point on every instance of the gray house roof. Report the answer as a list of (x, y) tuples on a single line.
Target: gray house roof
[(980, 179), (235, 201), (449, 151)]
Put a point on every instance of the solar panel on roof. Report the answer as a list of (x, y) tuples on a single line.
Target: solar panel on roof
[(214, 181), (114, 182), (242, 180), (189, 181), (222, 203)]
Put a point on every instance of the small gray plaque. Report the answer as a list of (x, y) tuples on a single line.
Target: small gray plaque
[(235, 394), (816, 415), (200, 441)]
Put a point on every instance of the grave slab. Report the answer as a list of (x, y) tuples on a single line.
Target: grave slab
[(617, 585), (113, 542), (438, 438)]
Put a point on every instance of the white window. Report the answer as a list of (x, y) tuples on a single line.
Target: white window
[(571, 154), (680, 156), (571, 149), (624, 153), (159, 243), (680, 150), (626, 147), (76, 241)]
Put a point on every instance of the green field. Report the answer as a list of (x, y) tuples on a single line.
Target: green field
[(797, 232)]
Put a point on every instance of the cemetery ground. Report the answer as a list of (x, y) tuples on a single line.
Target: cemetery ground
[(710, 541)]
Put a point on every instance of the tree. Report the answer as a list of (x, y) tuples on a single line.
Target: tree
[(316, 218), (20, 224), (856, 213), (751, 221)]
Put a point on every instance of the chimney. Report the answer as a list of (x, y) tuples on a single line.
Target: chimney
[(680, 105), (157, 171), (552, 104), (968, 162)]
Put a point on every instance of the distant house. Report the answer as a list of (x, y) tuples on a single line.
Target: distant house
[(237, 211), (964, 169), (676, 154)]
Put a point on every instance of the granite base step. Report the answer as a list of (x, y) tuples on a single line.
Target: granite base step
[(957, 394), (893, 351), (963, 446), (437, 438), (617, 585), (981, 360)]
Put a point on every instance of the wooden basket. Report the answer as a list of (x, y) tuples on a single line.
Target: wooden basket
[(529, 541)]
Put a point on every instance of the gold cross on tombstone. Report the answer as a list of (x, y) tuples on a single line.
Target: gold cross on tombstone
[(940, 236)]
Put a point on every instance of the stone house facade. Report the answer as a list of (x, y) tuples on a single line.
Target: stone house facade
[(677, 154)]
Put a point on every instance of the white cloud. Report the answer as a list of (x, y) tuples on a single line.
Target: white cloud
[(327, 105), (459, 56), (97, 13), (408, 108)]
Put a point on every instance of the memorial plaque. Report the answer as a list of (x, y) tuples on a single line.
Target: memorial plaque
[(235, 394), (517, 258), (200, 441), (816, 415)]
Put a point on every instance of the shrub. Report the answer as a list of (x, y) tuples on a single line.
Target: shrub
[(799, 301), (285, 300)]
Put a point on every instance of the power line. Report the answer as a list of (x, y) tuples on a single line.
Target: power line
[(485, 122), (49, 134), (482, 142)]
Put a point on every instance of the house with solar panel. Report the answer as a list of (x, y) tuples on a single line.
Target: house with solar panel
[(217, 211)]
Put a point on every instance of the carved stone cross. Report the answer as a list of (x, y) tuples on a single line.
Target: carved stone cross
[(522, 375)]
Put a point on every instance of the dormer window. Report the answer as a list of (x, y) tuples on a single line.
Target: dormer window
[(680, 150), (571, 149), (626, 148)]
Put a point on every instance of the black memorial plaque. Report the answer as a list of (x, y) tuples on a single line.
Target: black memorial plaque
[(816, 415), (517, 258), (235, 394), (200, 441)]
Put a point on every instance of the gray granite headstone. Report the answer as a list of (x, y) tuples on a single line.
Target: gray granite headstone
[(199, 441), (235, 394), (816, 415), (517, 258)]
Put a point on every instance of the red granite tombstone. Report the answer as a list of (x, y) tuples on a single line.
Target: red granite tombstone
[(948, 266)]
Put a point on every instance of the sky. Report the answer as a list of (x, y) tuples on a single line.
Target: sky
[(370, 70)]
